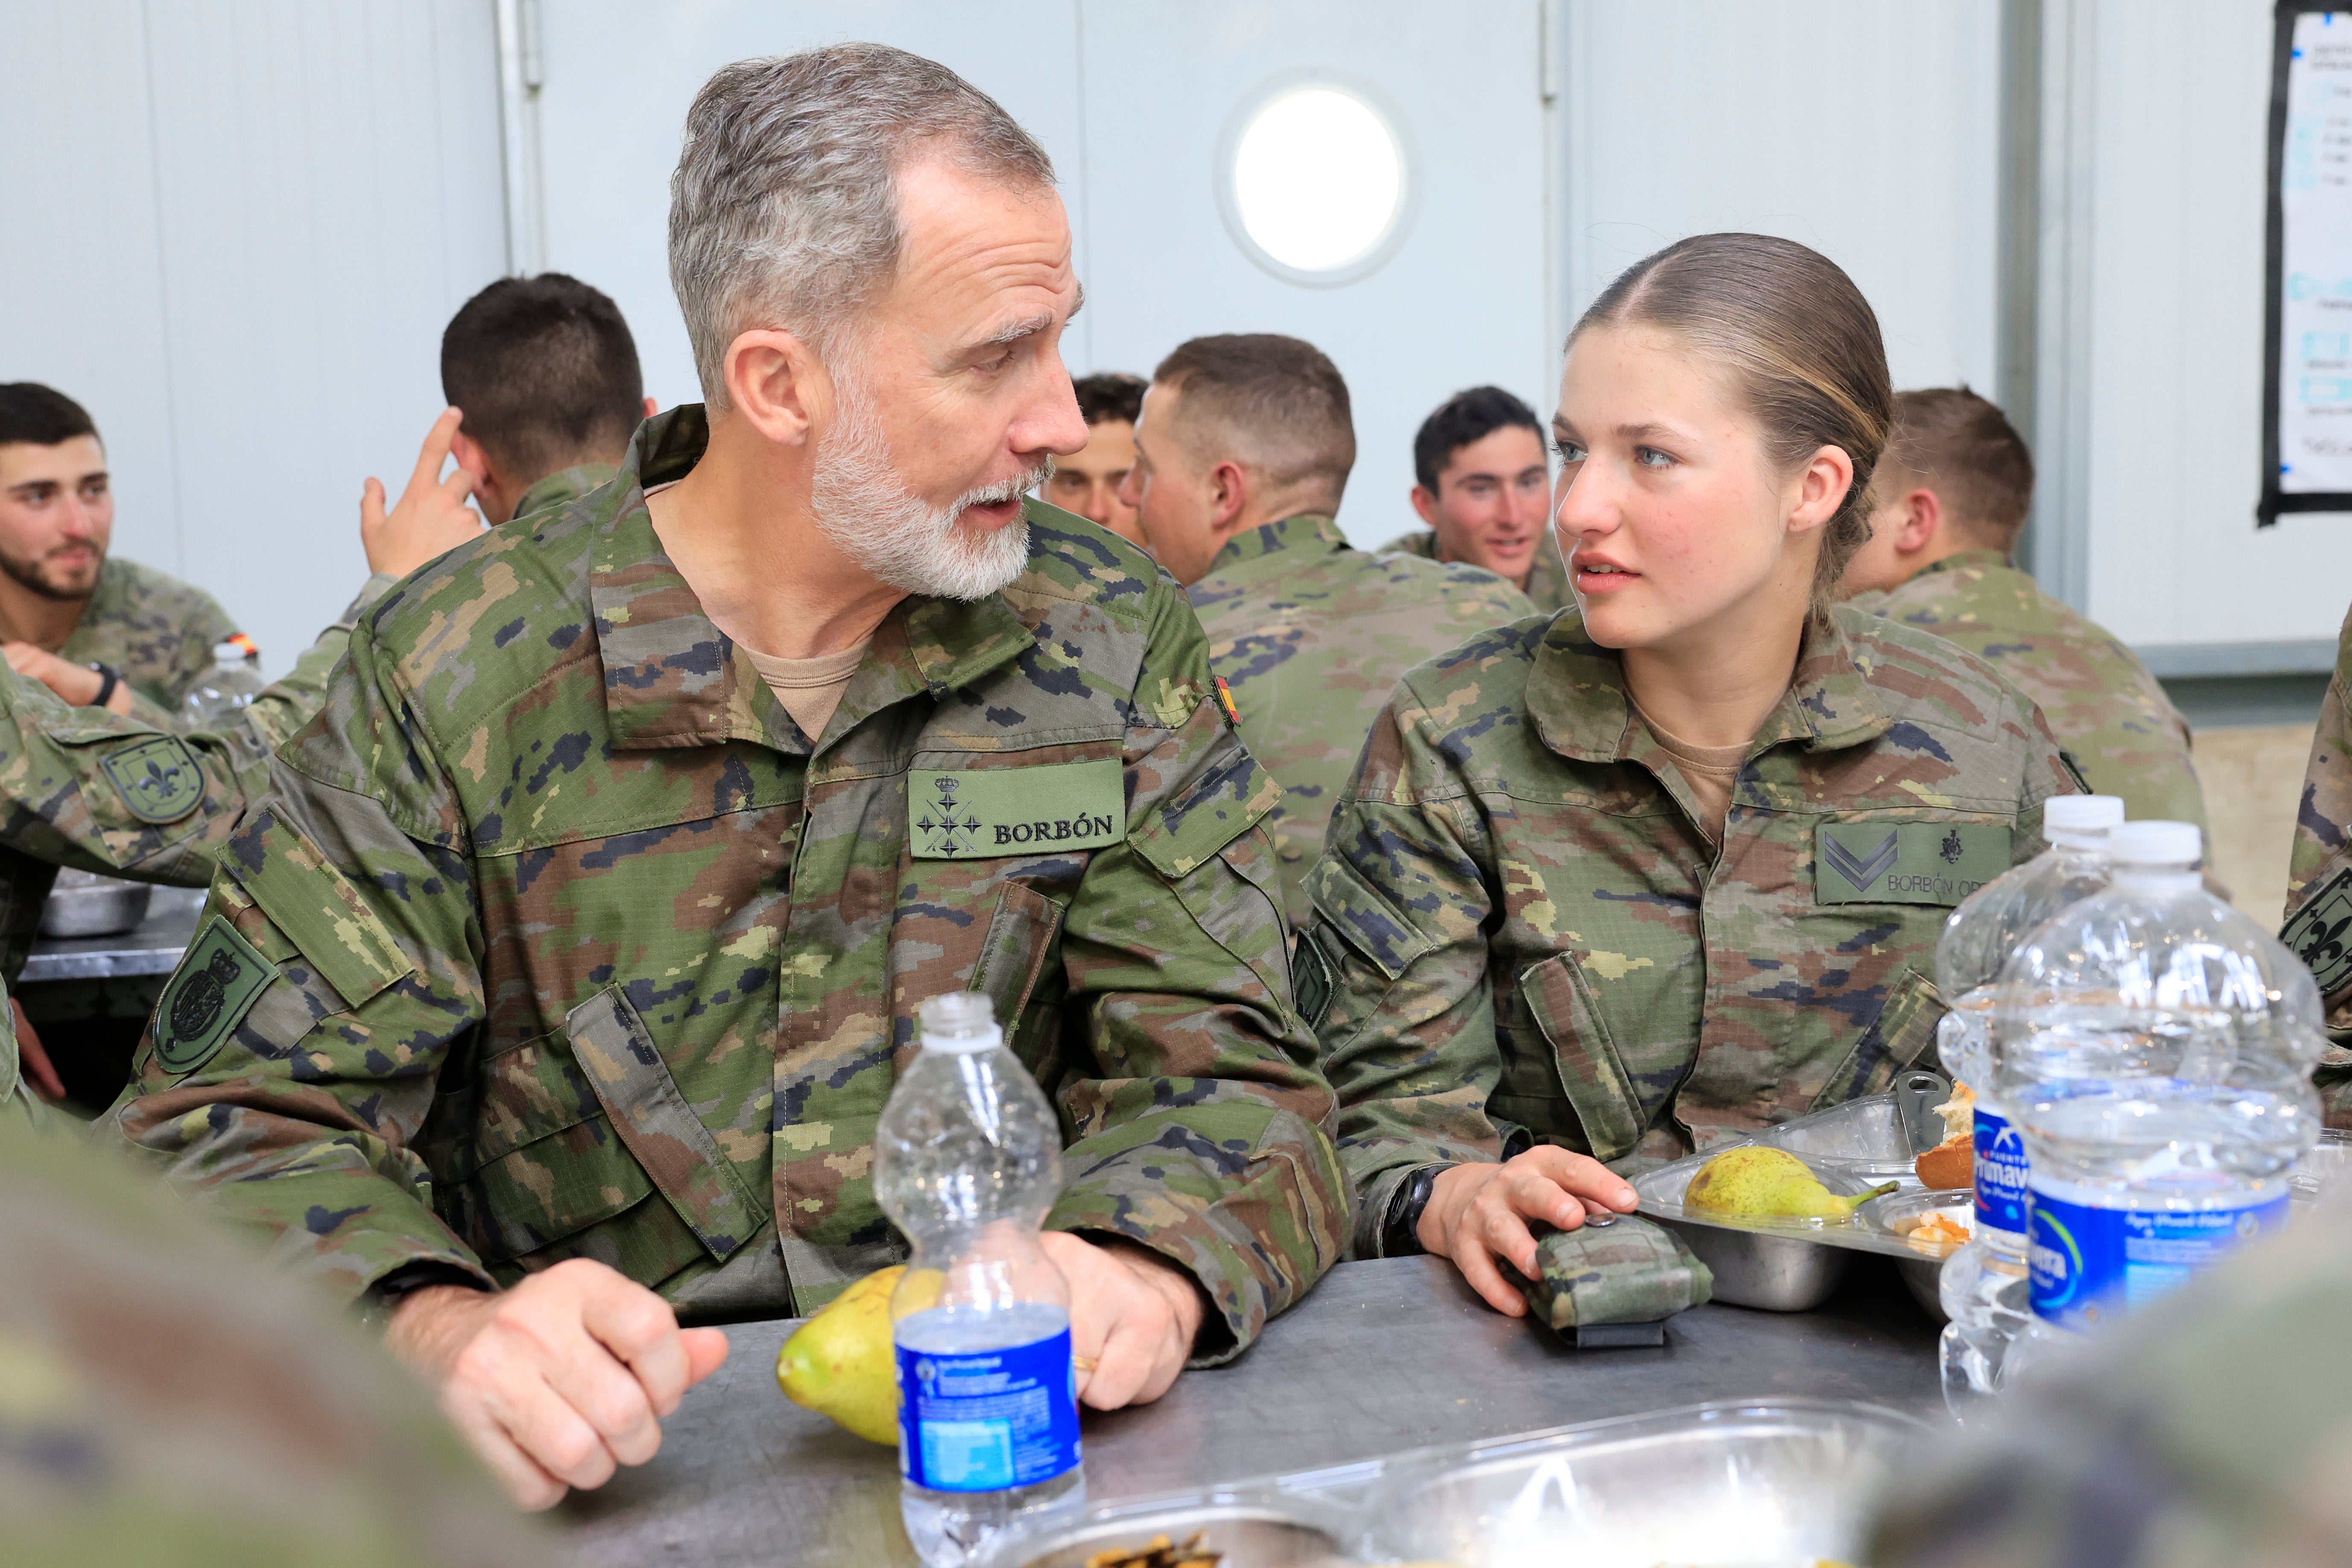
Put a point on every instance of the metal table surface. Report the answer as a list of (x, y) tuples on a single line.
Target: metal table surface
[(153, 947), (1383, 1355)]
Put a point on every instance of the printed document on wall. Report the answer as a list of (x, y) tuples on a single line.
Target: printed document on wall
[(2315, 391)]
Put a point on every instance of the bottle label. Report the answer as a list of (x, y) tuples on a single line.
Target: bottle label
[(2090, 1264), (989, 1420), (2000, 1173)]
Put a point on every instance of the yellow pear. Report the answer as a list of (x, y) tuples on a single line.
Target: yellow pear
[(840, 1362), (1757, 1183)]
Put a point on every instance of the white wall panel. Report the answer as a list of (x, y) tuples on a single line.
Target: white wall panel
[(254, 220), (1866, 131), (2182, 95)]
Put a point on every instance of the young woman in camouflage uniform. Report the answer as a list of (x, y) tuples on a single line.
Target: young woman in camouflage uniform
[(1610, 884)]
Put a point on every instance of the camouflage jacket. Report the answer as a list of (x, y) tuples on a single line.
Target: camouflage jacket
[(1547, 589), (564, 487), (123, 796), (560, 939), (2101, 702), (157, 630), (1528, 938), (1310, 636), (2192, 1434), (2319, 878)]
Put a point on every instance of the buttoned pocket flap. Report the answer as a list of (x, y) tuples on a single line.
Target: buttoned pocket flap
[(617, 1055), (1590, 1071), (1899, 1034), (314, 906), (1210, 813), (1021, 936)]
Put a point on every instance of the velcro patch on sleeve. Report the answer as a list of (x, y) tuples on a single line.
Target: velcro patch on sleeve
[(158, 780), (2320, 933), (981, 814), (315, 906), (209, 994), (1871, 862)]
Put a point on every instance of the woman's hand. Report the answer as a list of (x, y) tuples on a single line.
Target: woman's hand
[(1479, 1213)]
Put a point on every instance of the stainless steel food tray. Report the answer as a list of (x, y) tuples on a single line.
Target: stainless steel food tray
[(1787, 1480)]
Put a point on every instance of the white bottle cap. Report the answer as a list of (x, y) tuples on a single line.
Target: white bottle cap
[(2081, 820), (959, 1021), (2156, 844), (229, 653)]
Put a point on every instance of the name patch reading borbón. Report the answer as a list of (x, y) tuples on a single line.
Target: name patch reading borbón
[(980, 814)]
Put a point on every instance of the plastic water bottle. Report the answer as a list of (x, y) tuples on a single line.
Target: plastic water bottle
[(1983, 1285), (231, 684), (2156, 1046), (967, 1160)]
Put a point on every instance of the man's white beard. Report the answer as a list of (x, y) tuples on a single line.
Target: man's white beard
[(866, 509)]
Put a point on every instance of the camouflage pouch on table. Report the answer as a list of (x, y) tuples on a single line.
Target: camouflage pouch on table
[(1624, 1271)]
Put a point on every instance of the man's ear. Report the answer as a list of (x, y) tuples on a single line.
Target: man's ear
[(1424, 504), (652, 408), (1922, 522), (775, 385), (1229, 495), (472, 458)]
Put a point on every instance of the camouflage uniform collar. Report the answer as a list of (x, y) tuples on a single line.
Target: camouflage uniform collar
[(673, 678), (1576, 694), (564, 486), (1303, 530), (1985, 560)]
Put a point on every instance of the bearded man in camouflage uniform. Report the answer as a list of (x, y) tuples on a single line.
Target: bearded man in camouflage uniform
[(1243, 450), (1945, 507), (604, 893)]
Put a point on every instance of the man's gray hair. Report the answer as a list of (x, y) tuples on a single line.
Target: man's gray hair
[(784, 208)]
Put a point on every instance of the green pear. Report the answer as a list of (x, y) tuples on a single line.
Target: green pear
[(841, 1363), (1756, 1182)]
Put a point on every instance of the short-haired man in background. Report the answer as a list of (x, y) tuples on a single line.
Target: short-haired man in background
[(1947, 504), (1244, 449), (606, 889), (1483, 486), (1088, 481), (92, 628)]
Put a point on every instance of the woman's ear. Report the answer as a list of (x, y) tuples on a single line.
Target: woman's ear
[(1820, 489)]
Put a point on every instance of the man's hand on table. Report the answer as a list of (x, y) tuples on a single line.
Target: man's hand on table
[(1479, 1212), (75, 684), (1133, 1314), (557, 1381), (430, 519)]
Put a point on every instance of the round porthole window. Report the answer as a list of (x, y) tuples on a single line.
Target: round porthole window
[(1316, 180)]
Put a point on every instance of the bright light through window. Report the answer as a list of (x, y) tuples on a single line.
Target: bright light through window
[(1318, 179)]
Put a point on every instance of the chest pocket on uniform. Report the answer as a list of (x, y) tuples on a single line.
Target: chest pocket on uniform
[(1591, 1072), (1894, 1040)]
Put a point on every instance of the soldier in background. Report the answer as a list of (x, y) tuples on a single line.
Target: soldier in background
[(2318, 926), (556, 992), (2203, 1431), (1245, 447), (96, 629), (1088, 481), (1483, 483), (1670, 865), (1945, 509), (546, 374)]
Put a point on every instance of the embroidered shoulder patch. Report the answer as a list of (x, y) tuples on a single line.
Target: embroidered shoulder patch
[(1906, 862), (982, 813), (2319, 933), (209, 994), (158, 780)]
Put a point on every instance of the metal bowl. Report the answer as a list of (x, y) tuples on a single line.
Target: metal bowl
[(1897, 1212), (83, 904), (1247, 1535), (1790, 1481)]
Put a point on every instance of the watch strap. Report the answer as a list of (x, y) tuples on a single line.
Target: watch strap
[(1400, 1233)]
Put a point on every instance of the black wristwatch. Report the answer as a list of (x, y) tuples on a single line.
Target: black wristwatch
[(1400, 1233), (377, 1303), (109, 678)]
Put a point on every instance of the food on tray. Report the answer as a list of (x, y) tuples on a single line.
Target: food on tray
[(1936, 1231), (1162, 1552), (1757, 1183), (1953, 1162), (841, 1363)]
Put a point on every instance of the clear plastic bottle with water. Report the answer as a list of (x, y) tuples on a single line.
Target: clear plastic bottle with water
[(2156, 1048), (967, 1161), (230, 685), (1983, 1286)]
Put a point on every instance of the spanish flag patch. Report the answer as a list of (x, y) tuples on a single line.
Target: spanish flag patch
[(1225, 700)]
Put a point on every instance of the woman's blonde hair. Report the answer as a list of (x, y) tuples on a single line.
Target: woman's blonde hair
[(1801, 346)]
